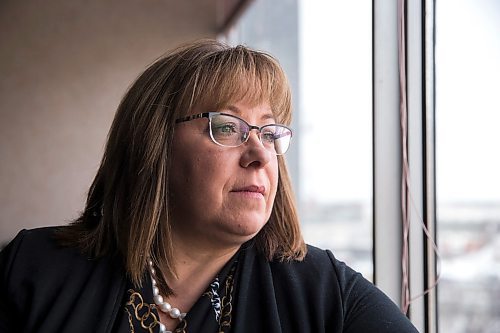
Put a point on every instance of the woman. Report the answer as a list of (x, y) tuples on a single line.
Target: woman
[(190, 224)]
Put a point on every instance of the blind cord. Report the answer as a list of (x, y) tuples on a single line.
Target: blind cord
[(407, 202)]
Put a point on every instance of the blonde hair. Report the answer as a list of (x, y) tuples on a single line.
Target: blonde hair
[(127, 206)]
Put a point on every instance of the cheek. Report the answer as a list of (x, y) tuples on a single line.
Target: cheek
[(183, 175), (197, 176)]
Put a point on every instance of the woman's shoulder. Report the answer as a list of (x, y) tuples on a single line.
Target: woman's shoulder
[(35, 237), (37, 247), (34, 257), (340, 290), (39, 252), (318, 268), (42, 278), (321, 272), (318, 263)]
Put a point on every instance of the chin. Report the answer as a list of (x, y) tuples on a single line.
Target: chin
[(247, 229)]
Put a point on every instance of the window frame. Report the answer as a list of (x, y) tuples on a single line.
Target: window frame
[(418, 44)]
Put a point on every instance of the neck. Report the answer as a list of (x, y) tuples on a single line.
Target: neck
[(193, 261), (196, 253), (196, 265)]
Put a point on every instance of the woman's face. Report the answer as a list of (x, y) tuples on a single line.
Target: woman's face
[(221, 194)]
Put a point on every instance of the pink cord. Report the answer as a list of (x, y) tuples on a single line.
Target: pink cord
[(406, 198)]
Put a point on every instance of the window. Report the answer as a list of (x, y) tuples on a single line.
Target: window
[(468, 164)]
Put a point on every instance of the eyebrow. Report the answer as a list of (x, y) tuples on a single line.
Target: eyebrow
[(235, 109)]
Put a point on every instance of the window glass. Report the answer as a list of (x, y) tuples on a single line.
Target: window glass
[(325, 47), (468, 164)]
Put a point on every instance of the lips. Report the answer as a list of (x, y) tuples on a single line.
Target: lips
[(251, 189)]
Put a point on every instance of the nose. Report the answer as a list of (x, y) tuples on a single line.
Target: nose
[(255, 154)]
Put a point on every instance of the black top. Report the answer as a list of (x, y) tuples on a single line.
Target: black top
[(46, 288)]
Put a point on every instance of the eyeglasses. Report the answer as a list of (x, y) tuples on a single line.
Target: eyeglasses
[(230, 131)]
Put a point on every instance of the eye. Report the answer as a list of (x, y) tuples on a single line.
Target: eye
[(224, 129), (268, 135)]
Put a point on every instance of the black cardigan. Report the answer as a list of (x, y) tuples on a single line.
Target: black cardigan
[(46, 288)]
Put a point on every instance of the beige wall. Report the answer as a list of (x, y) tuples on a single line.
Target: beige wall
[(64, 66)]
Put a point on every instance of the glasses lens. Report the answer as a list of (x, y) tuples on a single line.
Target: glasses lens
[(228, 130), (276, 138)]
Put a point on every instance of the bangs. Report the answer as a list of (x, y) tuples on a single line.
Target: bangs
[(231, 75)]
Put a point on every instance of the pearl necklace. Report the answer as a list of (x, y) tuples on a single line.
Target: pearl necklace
[(164, 307)]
